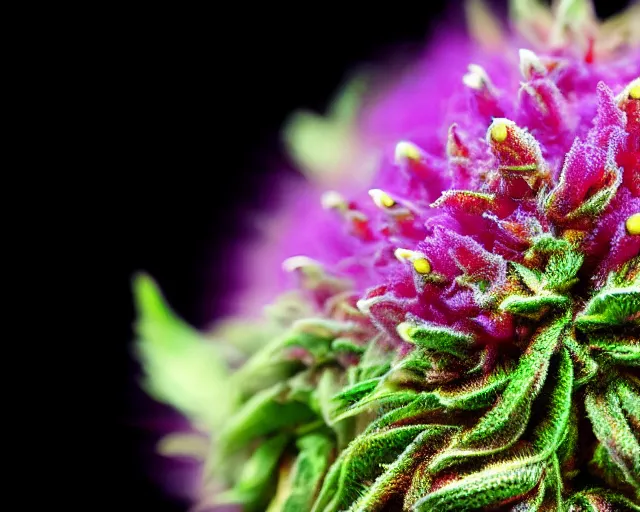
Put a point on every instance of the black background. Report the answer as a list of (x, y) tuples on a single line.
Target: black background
[(197, 98)]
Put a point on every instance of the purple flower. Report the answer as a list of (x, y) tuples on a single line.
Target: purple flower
[(460, 325)]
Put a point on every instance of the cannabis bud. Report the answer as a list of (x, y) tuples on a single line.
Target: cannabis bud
[(463, 331)]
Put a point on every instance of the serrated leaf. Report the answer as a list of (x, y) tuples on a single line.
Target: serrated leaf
[(611, 307), (306, 477), (393, 480), (549, 433), (562, 269), (182, 368), (423, 403), (477, 394), (587, 367), (530, 277), (534, 306), (617, 352), (435, 337), (486, 487), (600, 500), (553, 487), (612, 430), (503, 425), (630, 402), (567, 449), (360, 464), (383, 398), (604, 467)]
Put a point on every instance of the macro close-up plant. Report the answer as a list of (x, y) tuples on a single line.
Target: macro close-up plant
[(457, 326)]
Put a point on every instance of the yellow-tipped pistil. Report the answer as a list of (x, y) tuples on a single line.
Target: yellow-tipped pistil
[(422, 266), (381, 198), (499, 131), (406, 151), (633, 224)]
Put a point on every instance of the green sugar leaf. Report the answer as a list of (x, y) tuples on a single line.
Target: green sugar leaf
[(562, 269), (604, 467), (483, 488), (611, 307), (435, 337), (383, 398), (567, 449), (535, 306), (401, 405), (503, 424), (422, 404), (318, 346), (258, 477), (552, 484), (266, 368), (530, 277), (394, 481), (550, 432), (613, 431), (619, 351), (346, 345), (421, 481), (476, 394), (360, 464), (311, 465), (600, 500), (547, 244), (629, 401), (356, 392), (264, 413), (329, 383), (585, 367)]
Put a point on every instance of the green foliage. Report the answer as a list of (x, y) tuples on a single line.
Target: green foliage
[(599, 500), (533, 307), (447, 425), (360, 464), (265, 413), (182, 368), (503, 424), (314, 455), (611, 307), (435, 337), (613, 431), (562, 269), (482, 488), (258, 478), (394, 479)]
